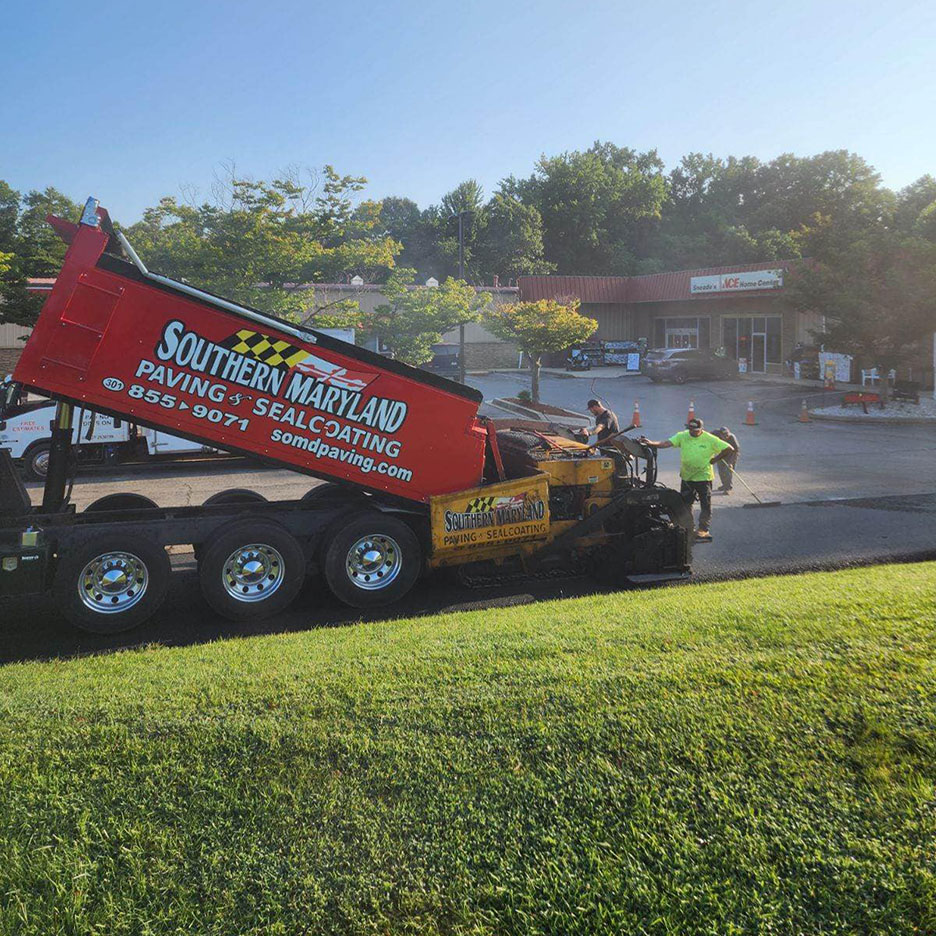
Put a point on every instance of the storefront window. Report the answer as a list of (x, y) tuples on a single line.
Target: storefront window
[(755, 338), (730, 337), (681, 332), (774, 323)]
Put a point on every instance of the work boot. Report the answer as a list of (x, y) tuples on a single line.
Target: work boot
[(703, 535)]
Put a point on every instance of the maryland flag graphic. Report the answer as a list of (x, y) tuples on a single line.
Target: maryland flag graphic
[(485, 504), (282, 354), (271, 351)]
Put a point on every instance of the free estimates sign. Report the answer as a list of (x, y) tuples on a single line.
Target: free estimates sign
[(736, 282)]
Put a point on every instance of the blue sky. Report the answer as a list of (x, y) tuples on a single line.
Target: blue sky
[(130, 101)]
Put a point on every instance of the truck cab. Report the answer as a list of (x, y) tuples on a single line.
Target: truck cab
[(97, 438)]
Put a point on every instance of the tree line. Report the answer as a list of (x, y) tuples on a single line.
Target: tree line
[(604, 210)]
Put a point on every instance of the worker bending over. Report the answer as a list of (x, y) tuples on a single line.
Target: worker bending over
[(698, 451), (726, 466), (606, 423)]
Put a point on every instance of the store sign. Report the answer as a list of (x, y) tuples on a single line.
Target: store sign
[(736, 282)]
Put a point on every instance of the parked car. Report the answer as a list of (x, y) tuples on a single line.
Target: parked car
[(444, 359), (682, 364)]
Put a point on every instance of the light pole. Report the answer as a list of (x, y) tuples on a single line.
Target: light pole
[(461, 276)]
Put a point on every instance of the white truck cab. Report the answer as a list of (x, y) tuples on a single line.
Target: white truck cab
[(26, 430)]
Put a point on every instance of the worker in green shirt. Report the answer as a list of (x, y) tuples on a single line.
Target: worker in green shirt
[(698, 451)]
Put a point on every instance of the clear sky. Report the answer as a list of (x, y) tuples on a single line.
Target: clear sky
[(130, 101)]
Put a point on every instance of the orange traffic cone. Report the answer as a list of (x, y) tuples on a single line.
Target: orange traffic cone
[(804, 413), (749, 419), (635, 419), (691, 410)]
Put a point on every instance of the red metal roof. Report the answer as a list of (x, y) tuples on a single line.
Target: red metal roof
[(586, 288), (654, 287)]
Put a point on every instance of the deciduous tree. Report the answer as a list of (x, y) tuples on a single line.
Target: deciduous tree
[(878, 298), (539, 328), (414, 318), (261, 242), (593, 205)]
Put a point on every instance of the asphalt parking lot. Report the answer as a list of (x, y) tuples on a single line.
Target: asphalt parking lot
[(781, 458)]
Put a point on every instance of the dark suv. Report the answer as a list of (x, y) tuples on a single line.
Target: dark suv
[(682, 364)]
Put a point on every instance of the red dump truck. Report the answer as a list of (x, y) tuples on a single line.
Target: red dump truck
[(417, 480)]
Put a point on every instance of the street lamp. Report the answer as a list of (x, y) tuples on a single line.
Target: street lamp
[(461, 276)]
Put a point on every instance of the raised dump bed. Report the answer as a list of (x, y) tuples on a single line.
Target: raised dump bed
[(122, 340)]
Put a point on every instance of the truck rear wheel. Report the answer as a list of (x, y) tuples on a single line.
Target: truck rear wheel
[(235, 496), (372, 560), (111, 582), (251, 569), (122, 500)]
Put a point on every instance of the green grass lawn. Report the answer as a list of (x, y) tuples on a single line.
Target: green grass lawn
[(752, 757)]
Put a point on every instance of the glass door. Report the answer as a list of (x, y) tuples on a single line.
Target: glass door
[(759, 352), (682, 337)]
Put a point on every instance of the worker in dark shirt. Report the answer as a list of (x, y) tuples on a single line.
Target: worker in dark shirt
[(606, 423), (726, 473)]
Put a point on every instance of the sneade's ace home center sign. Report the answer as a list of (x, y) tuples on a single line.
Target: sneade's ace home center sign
[(736, 282)]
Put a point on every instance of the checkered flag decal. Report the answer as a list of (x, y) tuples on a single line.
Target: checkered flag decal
[(276, 353), (480, 505)]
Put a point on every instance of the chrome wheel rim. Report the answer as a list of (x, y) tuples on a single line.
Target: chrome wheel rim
[(113, 582), (374, 562), (253, 572), (41, 463)]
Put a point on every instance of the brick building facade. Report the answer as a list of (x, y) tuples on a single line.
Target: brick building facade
[(739, 309)]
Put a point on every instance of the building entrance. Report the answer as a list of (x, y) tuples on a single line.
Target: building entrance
[(756, 339), (682, 338)]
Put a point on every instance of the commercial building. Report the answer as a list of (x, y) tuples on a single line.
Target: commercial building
[(739, 309), (482, 350)]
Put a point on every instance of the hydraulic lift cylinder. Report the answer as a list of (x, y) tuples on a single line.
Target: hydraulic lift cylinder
[(53, 495)]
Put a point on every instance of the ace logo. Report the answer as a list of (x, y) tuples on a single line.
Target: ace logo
[(732, 282)]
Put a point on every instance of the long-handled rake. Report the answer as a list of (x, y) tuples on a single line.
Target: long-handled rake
[(760, 503)]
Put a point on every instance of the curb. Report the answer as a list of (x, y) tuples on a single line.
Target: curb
[(877, 420)]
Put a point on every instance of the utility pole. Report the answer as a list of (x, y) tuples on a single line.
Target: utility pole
[(461, 276)]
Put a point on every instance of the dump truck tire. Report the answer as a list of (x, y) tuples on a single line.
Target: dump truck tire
[(331, 493), (516, 447), (251, 569), (111, 582), (235, 496), (373, 559), (121, 500)]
